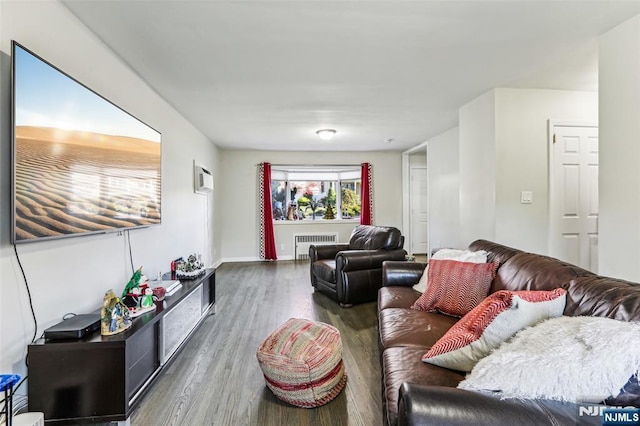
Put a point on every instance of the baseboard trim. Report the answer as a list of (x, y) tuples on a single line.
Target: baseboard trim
[(239, 259), (248, 259)]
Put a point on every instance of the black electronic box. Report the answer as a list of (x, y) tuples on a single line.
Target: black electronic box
[(75, 327)]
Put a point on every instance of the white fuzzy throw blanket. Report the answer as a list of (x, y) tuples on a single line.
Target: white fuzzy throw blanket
[(576, 359)]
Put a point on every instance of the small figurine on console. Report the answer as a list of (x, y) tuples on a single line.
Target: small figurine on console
[(147, 299), (190, 269), (133, 290), (137, 296), (114, 314)]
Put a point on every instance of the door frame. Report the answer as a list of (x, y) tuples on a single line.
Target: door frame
[(406, 206), (412, 169), (551, 123)]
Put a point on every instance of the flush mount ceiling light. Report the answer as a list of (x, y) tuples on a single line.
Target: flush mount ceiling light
[(326, 134)]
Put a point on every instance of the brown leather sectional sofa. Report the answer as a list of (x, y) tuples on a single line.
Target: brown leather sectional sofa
[(416, 393)]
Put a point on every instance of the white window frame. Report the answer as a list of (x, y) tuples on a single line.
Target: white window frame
[(317, 173)]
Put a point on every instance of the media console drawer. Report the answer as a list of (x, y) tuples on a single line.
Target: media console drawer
[(67, 380), (142, 358), (176, 324)]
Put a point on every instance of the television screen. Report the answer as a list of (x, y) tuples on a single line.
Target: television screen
[(81, 164)]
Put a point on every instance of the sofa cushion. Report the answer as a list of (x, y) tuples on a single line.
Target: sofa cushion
[(325, 270), (403, 364), (396, 297), (585, 297), (408, 327), (495, 252), (455, 288), (492, 322), (479, 256), (366, 237), (527, 271), (575, 359)]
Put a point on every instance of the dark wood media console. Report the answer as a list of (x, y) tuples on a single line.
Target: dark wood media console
[(102, 378)]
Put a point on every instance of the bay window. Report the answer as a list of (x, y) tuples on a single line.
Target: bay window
[(315, 192)]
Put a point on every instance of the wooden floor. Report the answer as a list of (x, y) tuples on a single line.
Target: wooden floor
[(216, 380)]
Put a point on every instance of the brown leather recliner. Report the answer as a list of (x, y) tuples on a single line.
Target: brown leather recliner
[(352, 273)]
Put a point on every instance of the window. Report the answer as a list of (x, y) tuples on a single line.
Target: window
[(315, 193)]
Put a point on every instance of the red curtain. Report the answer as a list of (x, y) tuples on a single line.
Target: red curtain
[(366, 195), (267, 238)]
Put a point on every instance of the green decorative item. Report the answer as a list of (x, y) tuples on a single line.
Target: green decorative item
[(134, 282), (147, 299)]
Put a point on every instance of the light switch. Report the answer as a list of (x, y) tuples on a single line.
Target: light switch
[(526, 197)]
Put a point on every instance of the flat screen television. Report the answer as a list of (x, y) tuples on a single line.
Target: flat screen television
[(81, 164)]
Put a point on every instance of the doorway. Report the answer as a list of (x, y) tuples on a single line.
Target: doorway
[(415, 203), (573, 193), (418, 212)]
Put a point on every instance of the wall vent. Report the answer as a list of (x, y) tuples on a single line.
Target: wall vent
[(301, 243)]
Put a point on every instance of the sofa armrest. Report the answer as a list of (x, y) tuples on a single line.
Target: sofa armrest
[(406, 274), (358, 260), (441, 405), (325, 251)]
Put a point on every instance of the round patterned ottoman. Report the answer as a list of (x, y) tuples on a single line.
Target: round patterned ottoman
[(302, 362)]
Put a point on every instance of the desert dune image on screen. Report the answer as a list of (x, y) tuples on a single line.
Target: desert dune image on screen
[(82, 165)]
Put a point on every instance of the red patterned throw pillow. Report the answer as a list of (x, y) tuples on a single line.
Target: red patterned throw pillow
[(479, 256), (492, 322), (455, 287)]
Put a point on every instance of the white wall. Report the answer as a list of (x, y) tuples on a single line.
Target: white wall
[(444, 189), (522, 158), (619, 178), (503, 151), (477, 169), (239, 214), (418, 160), (72, 275)]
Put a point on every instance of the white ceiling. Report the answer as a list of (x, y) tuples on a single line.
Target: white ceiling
[(268, 74)]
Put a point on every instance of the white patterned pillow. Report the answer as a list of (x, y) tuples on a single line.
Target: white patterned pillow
[(576, 359), (497, 318), (479, 256)]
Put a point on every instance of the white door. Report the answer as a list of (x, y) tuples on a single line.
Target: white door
[(418, 209), (574, 195)]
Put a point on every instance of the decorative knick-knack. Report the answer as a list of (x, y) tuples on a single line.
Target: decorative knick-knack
[(147, 299), (190, 269), (134, 282), (115, 315), (329, 213)]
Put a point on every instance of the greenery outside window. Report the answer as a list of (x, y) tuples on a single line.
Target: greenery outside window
[(315, 192)]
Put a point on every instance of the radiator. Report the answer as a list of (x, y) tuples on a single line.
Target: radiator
[(301, 243)]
